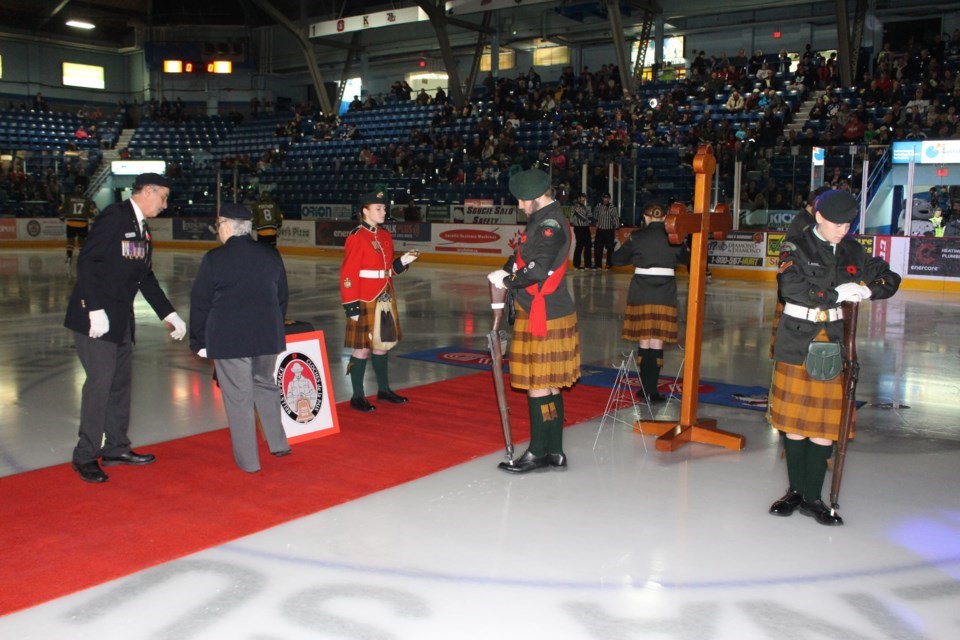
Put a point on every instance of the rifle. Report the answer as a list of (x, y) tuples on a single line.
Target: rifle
[(497, 300), (851, 374)]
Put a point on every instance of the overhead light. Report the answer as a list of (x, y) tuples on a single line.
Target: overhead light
[(80, 24)]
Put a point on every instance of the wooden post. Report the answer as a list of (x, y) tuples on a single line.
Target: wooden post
[(700, 224)]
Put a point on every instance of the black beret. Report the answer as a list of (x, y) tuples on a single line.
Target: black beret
[(235, 211), (529, 184), (837, 206), (155, 179)]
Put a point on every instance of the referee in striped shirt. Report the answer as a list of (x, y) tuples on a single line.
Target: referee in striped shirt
[(608, 221)]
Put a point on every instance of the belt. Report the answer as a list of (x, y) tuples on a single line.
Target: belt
[(814, 314), (373, 273), (654, 271)]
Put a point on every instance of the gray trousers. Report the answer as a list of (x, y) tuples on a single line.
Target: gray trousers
[(105, 399), (247, 384)]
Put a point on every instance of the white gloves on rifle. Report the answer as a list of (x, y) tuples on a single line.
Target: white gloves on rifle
[(202, 353), (99, 323), (853, 292), (354, 318), (409, 257), (497, 277), (179, 326)]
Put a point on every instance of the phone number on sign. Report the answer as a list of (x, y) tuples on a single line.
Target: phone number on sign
[(733, 261)]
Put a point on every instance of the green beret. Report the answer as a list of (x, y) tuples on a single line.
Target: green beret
[(837, 206), (529, 184), (374, 197)]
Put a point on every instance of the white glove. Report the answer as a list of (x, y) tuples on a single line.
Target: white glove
[(409, 257), (355, 318), (852, 291), (99, 323), (496, 278), (202, 353), (179, 326)]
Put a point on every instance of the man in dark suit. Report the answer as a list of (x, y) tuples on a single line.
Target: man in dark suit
[(237, 306), (114, 264)]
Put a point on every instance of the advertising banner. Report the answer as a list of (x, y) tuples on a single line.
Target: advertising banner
[(8, 229), (738, 249), (296, 233), (484, 213), (194, 229), (307, 407), (438, 213), (161, 228), (333, 233), (494, 240), (40, 229), (409, 235), (934, 257), (326, 211)]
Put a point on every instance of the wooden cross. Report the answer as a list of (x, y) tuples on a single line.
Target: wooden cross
[(700, 223)]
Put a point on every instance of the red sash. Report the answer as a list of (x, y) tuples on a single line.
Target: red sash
[(538, 308)]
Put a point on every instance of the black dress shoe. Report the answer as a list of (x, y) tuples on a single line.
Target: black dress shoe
[(819, 512), (558, 461), (280, 454), (787, 504), (390, 396), (655, 398), (361, 404), (90, 472), (525, 463), (130, 457)]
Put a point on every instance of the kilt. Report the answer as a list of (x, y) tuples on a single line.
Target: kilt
[(548, 362), (799, 404), (650, 322), (359, 334)]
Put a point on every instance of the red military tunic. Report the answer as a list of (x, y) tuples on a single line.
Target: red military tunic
[(367, 265), (366, 275)]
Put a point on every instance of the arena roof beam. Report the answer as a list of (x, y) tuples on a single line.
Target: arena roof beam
[(308, 54), (436, 13), (619, 44)]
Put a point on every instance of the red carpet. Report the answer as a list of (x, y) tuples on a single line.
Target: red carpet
[(61, 535)]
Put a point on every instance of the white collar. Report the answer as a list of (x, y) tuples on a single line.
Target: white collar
[(136, 210)]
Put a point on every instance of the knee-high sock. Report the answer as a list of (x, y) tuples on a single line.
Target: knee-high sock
[(815, 469), (649, 372), (656, 364), (796, 451), (542, 412), (380, 369), (643, 364), (358, 366), (554, 426)]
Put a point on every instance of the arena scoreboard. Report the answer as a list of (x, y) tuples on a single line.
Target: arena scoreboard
[(189, 66)]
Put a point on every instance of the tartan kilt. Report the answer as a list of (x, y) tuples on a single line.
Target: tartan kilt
[(359, 334), (650, 322), (799, 404), (548, 362)]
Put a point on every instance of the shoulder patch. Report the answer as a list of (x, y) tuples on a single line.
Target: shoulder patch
[(787, 246), (550, 223)]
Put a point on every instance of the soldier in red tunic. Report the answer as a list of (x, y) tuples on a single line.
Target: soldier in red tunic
[(369, 300)]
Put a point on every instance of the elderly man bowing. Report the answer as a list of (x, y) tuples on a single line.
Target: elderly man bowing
[(237, 307)]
